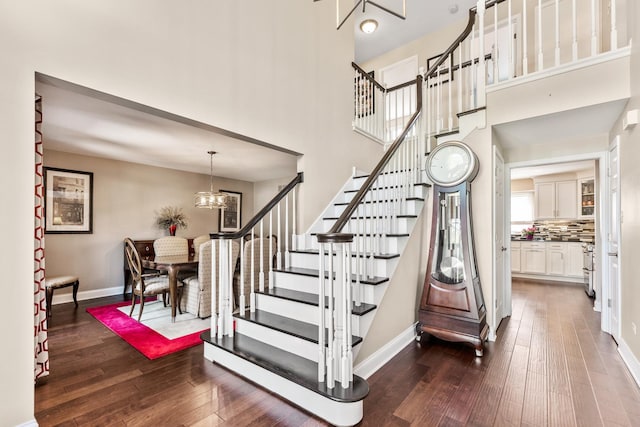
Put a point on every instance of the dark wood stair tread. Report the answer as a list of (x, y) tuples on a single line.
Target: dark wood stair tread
[(312, 299), (378, 201), (370, 217), (376, 280), (296, 328), (287, 365)]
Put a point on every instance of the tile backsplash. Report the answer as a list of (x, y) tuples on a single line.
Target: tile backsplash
[(581, 230)]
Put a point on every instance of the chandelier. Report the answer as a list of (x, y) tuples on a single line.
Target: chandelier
[(210, 199), (340, 22)]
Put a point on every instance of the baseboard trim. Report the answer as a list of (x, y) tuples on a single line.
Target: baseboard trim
[(629, 359), (30, 423), (66, 297), (371, 364)]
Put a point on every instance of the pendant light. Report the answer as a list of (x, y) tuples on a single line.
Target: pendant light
[(210, 199)]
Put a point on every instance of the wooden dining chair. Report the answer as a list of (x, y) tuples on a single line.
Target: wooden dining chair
[(143, 284)]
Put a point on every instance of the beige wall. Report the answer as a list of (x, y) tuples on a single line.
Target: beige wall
[(525, 184), (286, 81), (125, 199), (630, 203)]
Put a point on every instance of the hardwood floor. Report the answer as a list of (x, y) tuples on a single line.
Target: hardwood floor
[(551, 366)]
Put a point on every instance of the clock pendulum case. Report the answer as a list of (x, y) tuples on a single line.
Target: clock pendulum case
[(452, 306)]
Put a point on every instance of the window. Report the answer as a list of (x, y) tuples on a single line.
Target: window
[(522, 204)]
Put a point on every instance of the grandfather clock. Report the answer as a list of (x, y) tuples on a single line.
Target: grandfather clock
[(452, 306)]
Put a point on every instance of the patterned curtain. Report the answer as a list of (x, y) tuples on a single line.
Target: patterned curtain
[(41, 346)]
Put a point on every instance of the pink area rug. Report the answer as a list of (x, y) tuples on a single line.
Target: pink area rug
[(144, 338)]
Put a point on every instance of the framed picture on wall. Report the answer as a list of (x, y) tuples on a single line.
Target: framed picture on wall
[(68, 201), (230, 217)]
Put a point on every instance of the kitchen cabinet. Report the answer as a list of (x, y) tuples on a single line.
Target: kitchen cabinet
[(587, 197), (515, 257), (556, 199), (574, 260), (555, 257), (533, 257)]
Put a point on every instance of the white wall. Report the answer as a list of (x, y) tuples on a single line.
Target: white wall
[(126, 197), (276, 71)]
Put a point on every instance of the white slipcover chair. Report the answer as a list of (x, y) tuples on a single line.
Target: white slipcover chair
[(197, 289)]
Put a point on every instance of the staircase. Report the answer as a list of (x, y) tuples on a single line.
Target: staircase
[(307, 317), (276, 344)]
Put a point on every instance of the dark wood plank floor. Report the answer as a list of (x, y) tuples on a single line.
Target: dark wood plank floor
[(551, 366)]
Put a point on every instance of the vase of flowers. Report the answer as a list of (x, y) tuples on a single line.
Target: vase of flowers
[(170, 218), (528, 232)]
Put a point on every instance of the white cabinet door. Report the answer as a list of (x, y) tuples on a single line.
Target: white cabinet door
[(556, 254), (574, 260), (533, 258), (566, 199), (515, 259), (545, 200)]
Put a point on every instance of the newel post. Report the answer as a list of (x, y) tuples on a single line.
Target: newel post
[(335, 356)]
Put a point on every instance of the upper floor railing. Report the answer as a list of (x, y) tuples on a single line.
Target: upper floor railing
[(503, 41)]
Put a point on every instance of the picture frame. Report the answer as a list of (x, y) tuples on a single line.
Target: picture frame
[(68, 201), (230, 218), (364, 96)]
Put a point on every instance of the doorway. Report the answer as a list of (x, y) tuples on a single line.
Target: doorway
[(566, 261)]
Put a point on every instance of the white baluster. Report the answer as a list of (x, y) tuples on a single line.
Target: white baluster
[(271, 274), (321, 316), (525, 59), (557, 49), (512, 43), (614, 26), (460, 74), (242, 298), (358, 241), (330, 321), (252, 267), (450, 98), (261, 272), (472, 69), (481, 79), (226, 280), (347, 355), (594, 29), (496, 52), (216, 285), (215, 322), (540, 61), (286, 261), (294, 220), (279, 251)]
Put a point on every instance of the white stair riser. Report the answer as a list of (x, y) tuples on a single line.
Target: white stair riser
[(379, 267), (281, 340), (378, 224), (336, 413), (294, 310), (389, 193), (412, 207), (310, 285)]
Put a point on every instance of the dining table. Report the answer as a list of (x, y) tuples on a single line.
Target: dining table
[(172, 264)]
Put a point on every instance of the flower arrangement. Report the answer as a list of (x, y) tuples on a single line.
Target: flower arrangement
[(528, 232), (170, 217)]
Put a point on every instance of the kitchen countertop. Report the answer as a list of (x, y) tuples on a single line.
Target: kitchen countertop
[(552, 239)]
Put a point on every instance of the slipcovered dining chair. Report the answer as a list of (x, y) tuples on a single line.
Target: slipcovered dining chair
[(199, 241), (171, 245), (197, 289), (143, 284), (248, 259)]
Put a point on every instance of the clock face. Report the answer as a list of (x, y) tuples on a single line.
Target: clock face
[(451, 163)]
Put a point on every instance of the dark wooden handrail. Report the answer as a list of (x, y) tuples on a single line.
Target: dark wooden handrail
[(263, 212), (351, 207), (368, 77)]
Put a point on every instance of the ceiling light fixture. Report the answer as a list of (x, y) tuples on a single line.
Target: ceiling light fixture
[(210, 199), (368, 26), (364, 3)]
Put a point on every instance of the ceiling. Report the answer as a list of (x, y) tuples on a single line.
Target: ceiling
[(556, 168), (86, 122), (422, 17)]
